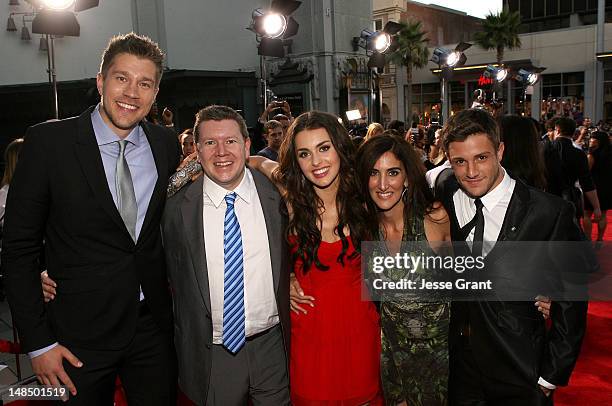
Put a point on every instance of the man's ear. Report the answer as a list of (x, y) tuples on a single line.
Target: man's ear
[(247, 146), (99, 83), (500, 151)]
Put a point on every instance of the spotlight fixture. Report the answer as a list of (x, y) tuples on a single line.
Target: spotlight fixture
[(273, 27), (527, 78), (378, 43), (56, 23), (498, 74), (10, 24), (25, 34), (57, 5), (268, 24), (450, 58)]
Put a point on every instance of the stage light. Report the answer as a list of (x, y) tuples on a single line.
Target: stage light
[(381, 42), (498, 74), (25, 34), (526, 77), (448, 58), (57, 4), (274, 25), (10, 24)]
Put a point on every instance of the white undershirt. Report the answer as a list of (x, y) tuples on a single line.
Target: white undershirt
[(259, 300)]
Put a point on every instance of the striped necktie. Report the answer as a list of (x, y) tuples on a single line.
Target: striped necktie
[(233, 280)]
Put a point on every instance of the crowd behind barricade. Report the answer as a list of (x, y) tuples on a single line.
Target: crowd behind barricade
[(242, 279)]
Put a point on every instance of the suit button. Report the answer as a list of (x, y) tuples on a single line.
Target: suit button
[(208, 316), (208, 346)]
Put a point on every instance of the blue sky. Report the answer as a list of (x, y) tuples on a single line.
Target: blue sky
[(478, 8)]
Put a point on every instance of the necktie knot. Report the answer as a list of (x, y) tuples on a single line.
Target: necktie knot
[(230, 199), (479, 204), (122, 145)]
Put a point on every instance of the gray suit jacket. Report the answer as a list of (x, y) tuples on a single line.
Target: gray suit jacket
[(183, 237)]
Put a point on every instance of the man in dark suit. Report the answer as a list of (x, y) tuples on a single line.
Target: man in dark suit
[(229, 271), (93, 188), (500, 352)]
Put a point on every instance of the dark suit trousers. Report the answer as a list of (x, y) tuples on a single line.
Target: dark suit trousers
[(469, 385), (147, 368), (258, 372)]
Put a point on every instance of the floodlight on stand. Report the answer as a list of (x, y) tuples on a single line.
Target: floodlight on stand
[(274, 25), (25, 34), (57, 5), (526, 77), (453, 58), (353, 115), (495, 73), (381, 41), (268, 24), (10, 24), (56, 23)]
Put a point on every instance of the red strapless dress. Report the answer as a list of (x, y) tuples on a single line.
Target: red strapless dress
[(335, 348)]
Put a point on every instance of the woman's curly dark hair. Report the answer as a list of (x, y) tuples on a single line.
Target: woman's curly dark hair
[(418, 199), (300, 194)]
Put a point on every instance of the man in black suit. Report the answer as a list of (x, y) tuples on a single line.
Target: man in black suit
[(500, 353), (93, 188), (228, 263)]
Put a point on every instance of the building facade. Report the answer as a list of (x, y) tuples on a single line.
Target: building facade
[(210, 58), (568, 84)]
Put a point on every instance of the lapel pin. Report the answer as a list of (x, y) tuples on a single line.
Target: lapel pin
[(513, 229)]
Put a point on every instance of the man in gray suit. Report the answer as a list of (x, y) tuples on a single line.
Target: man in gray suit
[(229, 270)]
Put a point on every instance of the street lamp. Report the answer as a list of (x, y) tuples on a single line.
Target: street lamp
[(447, 59)]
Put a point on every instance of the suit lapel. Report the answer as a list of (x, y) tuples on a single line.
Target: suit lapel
[(270, 204), (515, 216), (158, 148), (88, 154), (191, 213)]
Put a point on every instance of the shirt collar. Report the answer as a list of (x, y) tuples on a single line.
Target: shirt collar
[(217, 193), (104, 135), (491, 199)]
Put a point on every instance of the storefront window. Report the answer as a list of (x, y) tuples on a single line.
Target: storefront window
[(425, 102), (563, 95)]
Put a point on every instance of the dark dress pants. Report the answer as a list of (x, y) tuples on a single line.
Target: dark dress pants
[(146, 367)]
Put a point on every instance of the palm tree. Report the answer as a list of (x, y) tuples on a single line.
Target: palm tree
[(499, 31), (411, 52)]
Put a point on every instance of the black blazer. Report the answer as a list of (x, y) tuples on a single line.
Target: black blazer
[(509, 339), (59, 193)]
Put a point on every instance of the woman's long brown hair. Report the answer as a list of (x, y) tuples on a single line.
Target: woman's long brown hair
[(300, 194)]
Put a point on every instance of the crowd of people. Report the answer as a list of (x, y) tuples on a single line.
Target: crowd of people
[(241, 282)]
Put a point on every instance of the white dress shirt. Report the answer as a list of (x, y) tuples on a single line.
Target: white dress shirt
[(495, 205), (261, 312)]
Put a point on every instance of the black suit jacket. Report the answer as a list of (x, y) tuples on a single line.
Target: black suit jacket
[(60, 194), (509, 339)]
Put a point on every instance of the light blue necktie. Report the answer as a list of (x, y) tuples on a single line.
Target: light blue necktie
[(233, 280)]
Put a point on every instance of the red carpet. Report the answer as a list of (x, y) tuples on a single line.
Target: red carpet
[(591, 382)]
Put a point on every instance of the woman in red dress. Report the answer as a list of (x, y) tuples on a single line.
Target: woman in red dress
[(335, 343)]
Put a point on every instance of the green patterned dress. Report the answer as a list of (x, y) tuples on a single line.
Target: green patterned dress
[(414, 359)]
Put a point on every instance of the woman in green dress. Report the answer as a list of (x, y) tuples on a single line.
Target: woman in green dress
[(414, 359)]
